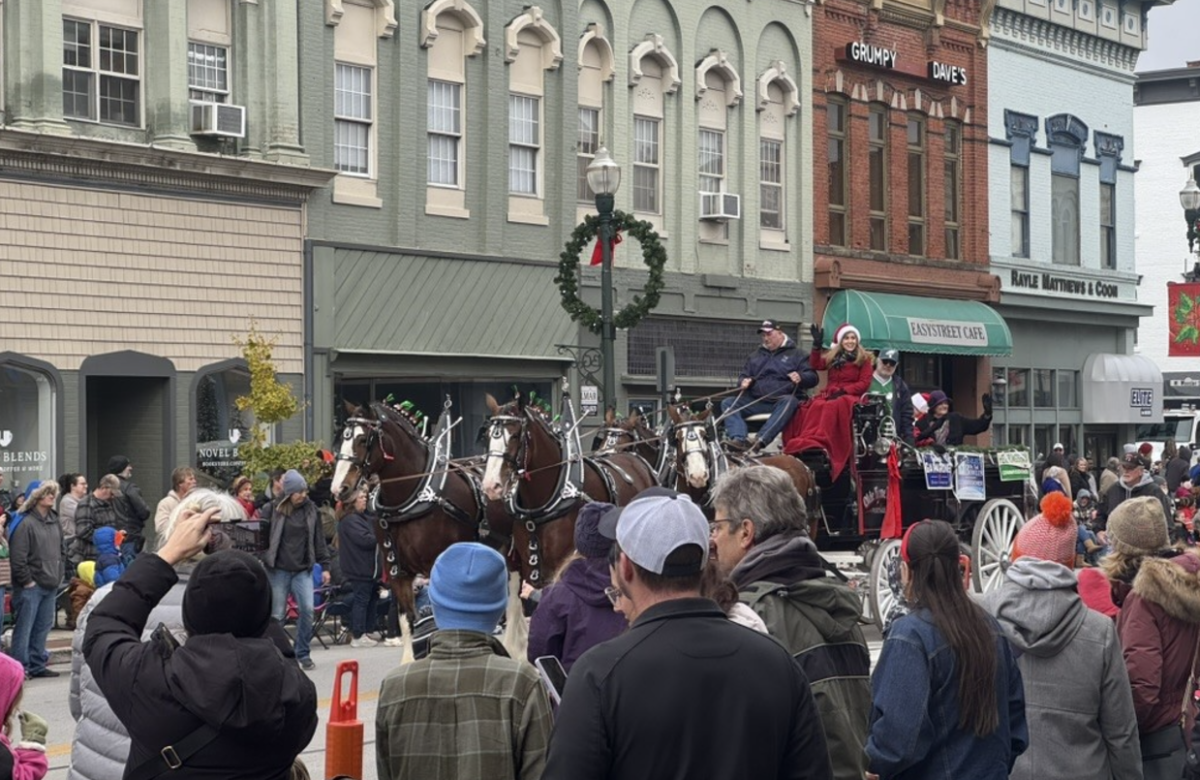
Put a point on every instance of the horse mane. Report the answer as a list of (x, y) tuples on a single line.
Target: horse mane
[(390, 414)]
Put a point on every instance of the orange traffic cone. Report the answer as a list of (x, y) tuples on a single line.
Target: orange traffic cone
[(344, 734)]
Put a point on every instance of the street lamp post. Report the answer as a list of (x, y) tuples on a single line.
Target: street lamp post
[(604, 177), (1189, 198)]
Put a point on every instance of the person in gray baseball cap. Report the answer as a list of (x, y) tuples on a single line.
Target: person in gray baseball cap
[(887, 382), (659, 700)]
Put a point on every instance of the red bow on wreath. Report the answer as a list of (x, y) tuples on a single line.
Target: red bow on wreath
[(598, 253)]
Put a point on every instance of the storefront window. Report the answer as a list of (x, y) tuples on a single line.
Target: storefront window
[(26, 426), (999, 388), (1068, 389), (1043, 388), (1066, 437), (1018, 388), (1043, 439), (220, 425), (921, 372)]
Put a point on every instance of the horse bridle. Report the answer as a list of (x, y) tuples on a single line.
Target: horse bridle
[(498, 429), (373, 434)]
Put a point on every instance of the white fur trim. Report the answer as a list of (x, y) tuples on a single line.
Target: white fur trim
[(26, 745), (841, 334)]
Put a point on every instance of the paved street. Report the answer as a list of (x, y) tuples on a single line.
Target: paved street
[(49, 699)]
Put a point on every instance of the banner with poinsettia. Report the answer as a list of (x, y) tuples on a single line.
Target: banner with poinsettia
[(1183, 313)]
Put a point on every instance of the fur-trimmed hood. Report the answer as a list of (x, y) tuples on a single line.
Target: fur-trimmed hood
[(1173, 584)]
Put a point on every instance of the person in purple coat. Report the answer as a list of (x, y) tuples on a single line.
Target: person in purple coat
[(575, 613)]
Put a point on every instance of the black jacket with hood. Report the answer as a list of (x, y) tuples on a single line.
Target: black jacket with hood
[(1119, 493), (251, 690)]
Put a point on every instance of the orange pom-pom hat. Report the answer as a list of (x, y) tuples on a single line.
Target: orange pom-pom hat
[(1051, 535)]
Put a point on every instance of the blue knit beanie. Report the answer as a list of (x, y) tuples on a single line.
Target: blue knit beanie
[(588, 540), (293, 482), (469, 588)]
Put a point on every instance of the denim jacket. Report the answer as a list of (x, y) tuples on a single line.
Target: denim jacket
[(915, 712)]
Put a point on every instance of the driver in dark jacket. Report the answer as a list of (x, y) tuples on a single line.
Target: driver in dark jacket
[(772, 382), (235, 675)]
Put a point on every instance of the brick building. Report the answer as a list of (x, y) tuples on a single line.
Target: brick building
[(900, 194)]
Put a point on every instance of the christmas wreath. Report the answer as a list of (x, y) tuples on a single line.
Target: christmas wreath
[(653, 255)]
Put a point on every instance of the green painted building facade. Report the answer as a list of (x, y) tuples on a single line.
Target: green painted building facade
[(460, 130)]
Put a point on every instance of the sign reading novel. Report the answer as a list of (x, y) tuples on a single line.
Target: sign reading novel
[(969, 484), (1014, 465), (938, 471), (220, 425)]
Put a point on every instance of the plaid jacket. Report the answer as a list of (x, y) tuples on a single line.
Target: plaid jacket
[(465, 712)]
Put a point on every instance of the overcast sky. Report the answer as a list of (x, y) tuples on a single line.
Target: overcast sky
[(1174, 36)]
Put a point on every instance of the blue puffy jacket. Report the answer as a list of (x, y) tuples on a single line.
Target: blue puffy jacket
[(770, 370), (108, 564)]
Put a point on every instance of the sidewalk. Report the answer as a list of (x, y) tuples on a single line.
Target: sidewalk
[(59, 645)]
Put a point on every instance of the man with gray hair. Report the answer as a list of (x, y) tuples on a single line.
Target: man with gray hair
[(95, 510), (759, 534)]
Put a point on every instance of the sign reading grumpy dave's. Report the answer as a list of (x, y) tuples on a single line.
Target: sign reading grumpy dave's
[(878, 56), (889, 59)]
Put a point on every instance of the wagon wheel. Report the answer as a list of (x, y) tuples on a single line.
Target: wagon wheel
[(880, 594), (996, 526)]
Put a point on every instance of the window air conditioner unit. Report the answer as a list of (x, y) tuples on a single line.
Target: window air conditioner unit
[(218, 119), (720, 206)]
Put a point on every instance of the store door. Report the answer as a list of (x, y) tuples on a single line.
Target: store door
[(125, 417), (1100, 444)]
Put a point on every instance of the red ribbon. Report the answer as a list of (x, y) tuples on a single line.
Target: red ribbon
[(598, 253), (893, 522)]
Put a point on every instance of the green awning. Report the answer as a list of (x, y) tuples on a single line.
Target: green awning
[(911, 324)]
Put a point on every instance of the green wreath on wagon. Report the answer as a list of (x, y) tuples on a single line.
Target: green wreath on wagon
[(653, 255)]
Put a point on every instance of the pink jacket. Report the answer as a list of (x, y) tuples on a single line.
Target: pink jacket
[(29, 758)]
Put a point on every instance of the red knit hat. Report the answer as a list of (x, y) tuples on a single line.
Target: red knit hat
[(1051, 535)]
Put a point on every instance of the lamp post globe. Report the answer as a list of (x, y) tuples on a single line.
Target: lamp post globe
[(1189, 198), (604, 177)]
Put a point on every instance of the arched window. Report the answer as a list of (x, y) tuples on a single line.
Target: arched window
[(532, 46), (218, 425), (1067, 136), (653, 74), (451, 30), (595, 69), (718, 89), (359, 25), (29, 412)]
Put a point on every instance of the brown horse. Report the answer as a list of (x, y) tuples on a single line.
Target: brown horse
[(413, 530), (695, 463), (529, 468)]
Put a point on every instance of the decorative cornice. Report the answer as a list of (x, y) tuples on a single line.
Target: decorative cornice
[(594, 33), (463, 11), (385, 15), (1020, 125), (778, 72), (533, 19), (910, 276), (1046, 37), (1066, 129), (87, 159), (1108, 145), (717, 60), (653, 46)]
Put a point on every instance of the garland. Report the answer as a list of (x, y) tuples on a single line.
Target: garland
[(653, 255)]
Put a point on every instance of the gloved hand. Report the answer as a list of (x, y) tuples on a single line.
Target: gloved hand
[(987, 404), (818, 335), (33, 728)]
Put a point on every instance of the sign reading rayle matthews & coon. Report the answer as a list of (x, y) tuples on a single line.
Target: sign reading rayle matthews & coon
[(948, 332)]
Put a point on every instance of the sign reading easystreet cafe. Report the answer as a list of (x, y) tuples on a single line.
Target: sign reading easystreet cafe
[(889, 59)]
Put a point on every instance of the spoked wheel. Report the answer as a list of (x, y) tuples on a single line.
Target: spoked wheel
[(996, 526), (882, 597)]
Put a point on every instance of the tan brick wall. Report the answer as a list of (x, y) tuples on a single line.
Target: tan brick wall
[(87, 272)]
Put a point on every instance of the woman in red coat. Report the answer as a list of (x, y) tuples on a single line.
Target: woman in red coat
[(824, 423)]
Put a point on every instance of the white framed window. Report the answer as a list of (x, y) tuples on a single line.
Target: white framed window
[(524, 143), (646, 164), (585, 151), (445, 133), (101, 73), (352, 113), (770, 183), (712, 160), (208, 73)]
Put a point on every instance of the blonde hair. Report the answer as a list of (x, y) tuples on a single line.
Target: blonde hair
[(860, 355), (202, 500)]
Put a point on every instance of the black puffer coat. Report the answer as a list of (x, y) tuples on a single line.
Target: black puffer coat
[(251, 690)]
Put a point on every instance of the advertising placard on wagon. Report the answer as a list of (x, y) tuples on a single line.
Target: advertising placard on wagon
[(1014, 465), (937, 471), (968, 476)]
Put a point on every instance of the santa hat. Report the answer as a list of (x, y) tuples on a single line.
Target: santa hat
[(1051, 535), (920, 402), (843, 330)]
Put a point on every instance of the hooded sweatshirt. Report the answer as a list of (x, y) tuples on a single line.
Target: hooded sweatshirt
[(1119, 492), (1077, 699), (250, 689), (574, 615), (816, 617), (26, 760), (108, 564)]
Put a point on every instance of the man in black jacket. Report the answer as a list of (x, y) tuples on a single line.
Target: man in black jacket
[(685, 693), (1134, 481), (887, 382), (230, 703), (131, 507), (772, 382)]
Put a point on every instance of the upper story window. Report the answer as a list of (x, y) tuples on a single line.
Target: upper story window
[(1066, 135), (353, 115), (524, 144), (653, 74), (532, 47), (952, 165), (836, 114), (1021, 131), (877, 127), (776, 102), (208, 73), (1108, 152), (101, 73), (595, 71), (445, 132), (916, 185)]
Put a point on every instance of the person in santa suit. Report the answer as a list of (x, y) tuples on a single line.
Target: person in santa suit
[(825, 423)]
